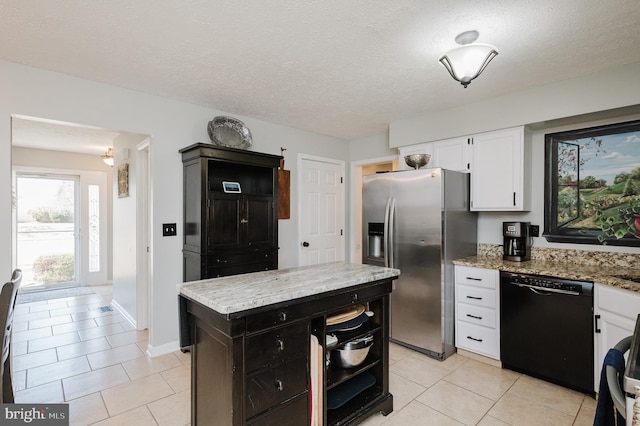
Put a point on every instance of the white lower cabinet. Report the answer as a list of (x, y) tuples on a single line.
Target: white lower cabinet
[(477, 295), (616, 312)]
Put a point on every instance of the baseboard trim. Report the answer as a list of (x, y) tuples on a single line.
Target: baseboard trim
[(124, 313), (154, 351)]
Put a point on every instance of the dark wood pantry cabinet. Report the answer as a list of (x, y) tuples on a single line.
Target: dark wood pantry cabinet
[(230, 211)]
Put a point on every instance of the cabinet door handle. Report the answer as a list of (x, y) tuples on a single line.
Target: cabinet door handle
[(474, 297), (474, 316), (514, 199), (280, 345), (474, 339), (474, 279), (282, 316), (244, 221), (597, 317), (279, 385)]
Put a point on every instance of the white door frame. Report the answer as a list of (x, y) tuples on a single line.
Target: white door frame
[(355, 218), (301, 158), (143, 235)]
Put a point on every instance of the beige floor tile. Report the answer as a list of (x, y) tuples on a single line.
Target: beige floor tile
[(55, 304), (132, 336), (520, 411), (20, 326), (146, 366), (59, 370), (185, 357), (548, 394), (20, 309), (377, 419), (179, 378), (492, 421), (114, 356), (417, 414), (82, 348), (107, 330), (43, 343), (73, 326), (451, 363), (93, 381), (48, 322), (19, 348), (140, 416), (93, 313), (585, 416), (23, 336), (403, 390), (127, 396), (483, 379), (172, 410), (87, 410), (589, 401), (463, 405), (35, 359), (398, 352), (31, 316), (43, 394), (111, 319), (68, 310), (419, 371), (89, 299)]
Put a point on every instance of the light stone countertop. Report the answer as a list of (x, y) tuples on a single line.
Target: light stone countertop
[(606, 275), (237, 293)]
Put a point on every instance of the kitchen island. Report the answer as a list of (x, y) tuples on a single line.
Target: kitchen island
[(252, 342)]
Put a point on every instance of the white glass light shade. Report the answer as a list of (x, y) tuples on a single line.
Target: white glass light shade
[(466, 62), (108, 157)]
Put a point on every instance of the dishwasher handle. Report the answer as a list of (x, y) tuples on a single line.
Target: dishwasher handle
[(612, 379), (543, 291)]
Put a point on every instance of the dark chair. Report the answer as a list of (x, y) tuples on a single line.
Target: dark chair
[(7, 303)]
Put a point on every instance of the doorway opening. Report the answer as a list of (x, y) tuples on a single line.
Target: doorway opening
[(47, 230)]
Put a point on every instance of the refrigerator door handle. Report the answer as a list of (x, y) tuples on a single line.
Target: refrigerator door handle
[(392, 218), (387, 253)]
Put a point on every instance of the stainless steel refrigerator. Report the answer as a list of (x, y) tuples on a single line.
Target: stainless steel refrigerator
[(419, 221)]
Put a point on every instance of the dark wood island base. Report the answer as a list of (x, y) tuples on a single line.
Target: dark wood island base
[(255, 366)]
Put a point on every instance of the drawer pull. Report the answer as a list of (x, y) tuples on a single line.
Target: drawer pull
[(354, 297), (474, 339), (474, 279), (280, 345), (474, 316), (282, 316), (474, 297), (279, 385)]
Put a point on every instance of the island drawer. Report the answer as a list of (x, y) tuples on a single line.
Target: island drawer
[(294, 413), (277, 345), (274, 386)]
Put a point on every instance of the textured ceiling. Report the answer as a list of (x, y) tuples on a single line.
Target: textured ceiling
[(335, 67)]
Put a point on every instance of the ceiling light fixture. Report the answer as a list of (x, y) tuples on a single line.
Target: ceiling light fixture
[(107, 157), (466, 62)]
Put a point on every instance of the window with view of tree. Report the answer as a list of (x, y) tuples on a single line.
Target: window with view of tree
[(592, 185)]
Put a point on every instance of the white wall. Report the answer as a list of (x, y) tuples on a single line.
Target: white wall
[(29, 157), (172, 125)]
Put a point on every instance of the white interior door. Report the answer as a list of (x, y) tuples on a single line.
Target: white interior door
[(321, 210)]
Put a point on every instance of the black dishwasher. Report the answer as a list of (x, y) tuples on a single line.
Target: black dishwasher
[(546, 329)]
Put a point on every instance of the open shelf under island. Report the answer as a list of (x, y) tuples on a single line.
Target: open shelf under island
[(252, 340)]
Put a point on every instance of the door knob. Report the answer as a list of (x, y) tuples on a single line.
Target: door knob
[(305, 244)]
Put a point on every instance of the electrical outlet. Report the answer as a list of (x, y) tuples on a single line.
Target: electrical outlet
[(535, 230), (168, 229)]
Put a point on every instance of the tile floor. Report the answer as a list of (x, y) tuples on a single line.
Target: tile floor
[(68, 350)]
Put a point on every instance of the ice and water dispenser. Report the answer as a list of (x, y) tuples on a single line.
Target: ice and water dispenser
[(376, 240)]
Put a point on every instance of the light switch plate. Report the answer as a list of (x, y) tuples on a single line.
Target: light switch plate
[(168, 229)]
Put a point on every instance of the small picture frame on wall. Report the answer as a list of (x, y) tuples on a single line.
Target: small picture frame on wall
[(123, 180)]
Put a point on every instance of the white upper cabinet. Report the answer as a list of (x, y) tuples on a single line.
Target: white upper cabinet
[(451, 154), (500, 176)]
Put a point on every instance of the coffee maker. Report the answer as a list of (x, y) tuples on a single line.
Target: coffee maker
[(517, 241)]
